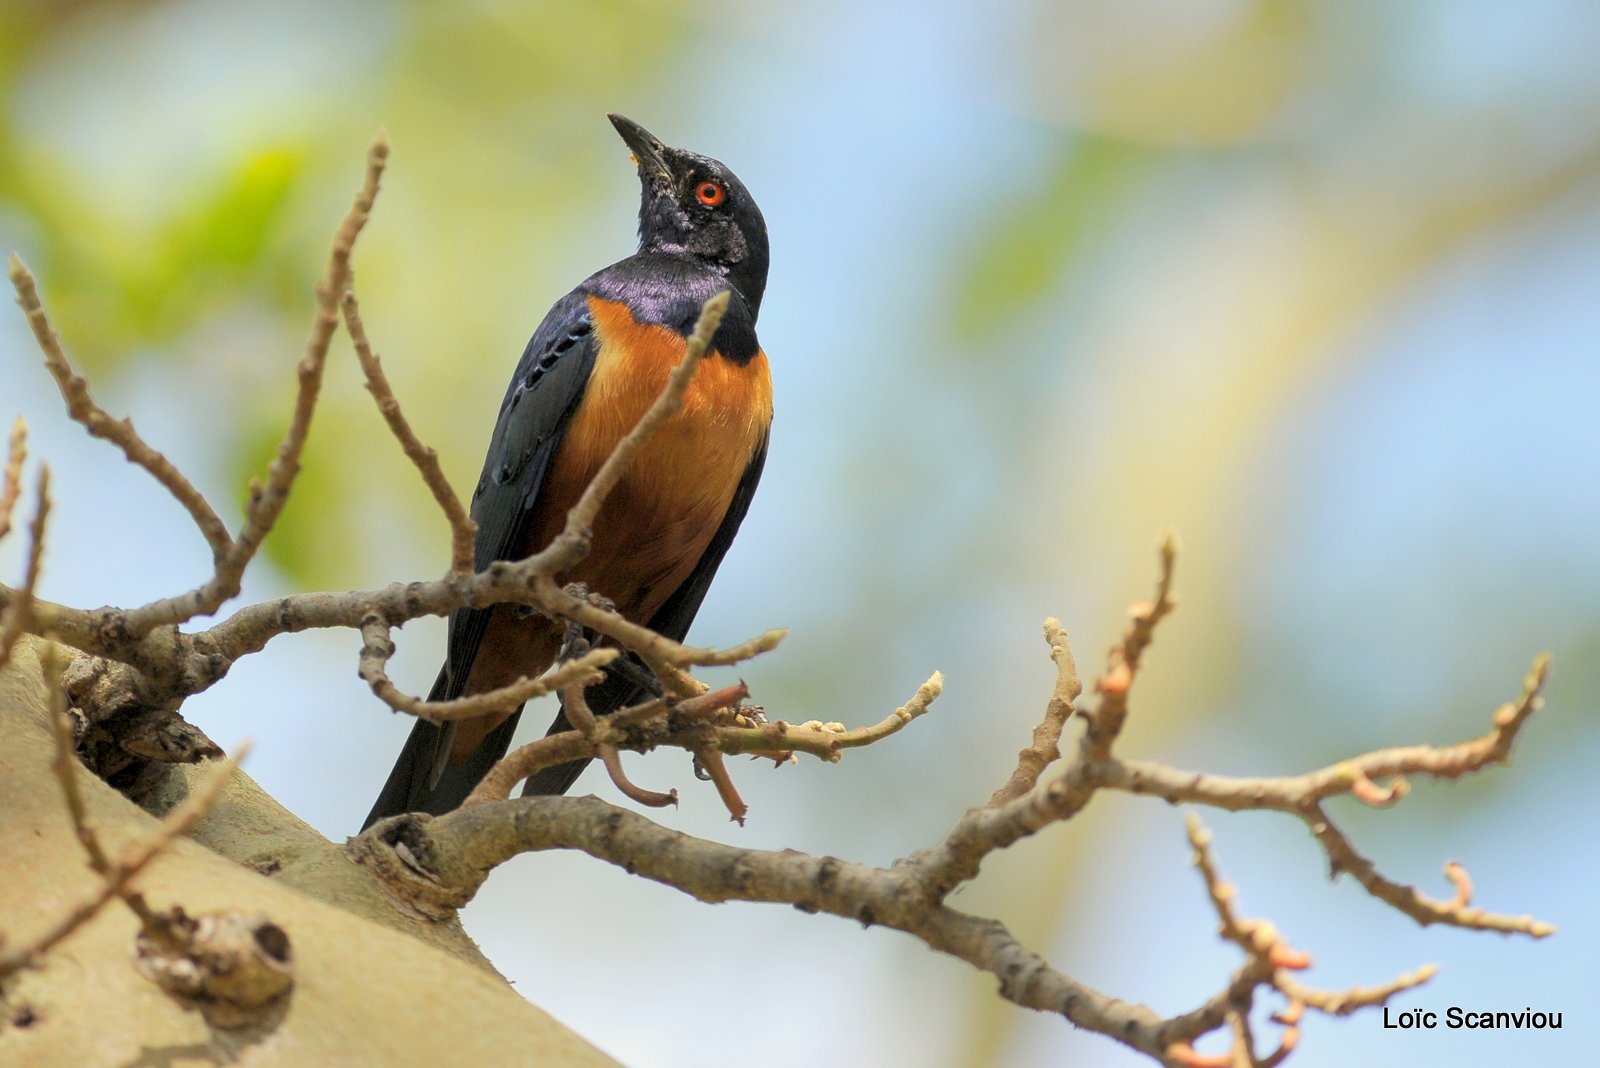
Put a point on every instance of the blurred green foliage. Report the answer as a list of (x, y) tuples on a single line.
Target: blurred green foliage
[(1025, 254), (203, 257)]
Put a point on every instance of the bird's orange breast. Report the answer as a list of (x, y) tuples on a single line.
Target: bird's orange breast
[(658, 521)]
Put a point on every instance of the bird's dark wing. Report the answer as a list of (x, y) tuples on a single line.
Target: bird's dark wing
[(538, 404), (548, 384), (621, 689)]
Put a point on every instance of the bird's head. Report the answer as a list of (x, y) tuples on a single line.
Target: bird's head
[(692, 204)]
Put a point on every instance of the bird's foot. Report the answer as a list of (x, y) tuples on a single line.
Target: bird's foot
[(576, 643), (581, 591)]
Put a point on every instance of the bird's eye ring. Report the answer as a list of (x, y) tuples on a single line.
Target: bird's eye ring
[(710, 194)]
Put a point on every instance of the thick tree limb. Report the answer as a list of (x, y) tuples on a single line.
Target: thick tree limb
[(116, 874)]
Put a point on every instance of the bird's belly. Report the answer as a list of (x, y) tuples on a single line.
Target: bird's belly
[(660, 517), (658, 520)]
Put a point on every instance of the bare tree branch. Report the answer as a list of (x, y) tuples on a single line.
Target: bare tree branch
[(826, 741), (910, 895), (267, 501), (1044, 749), (1343, 857), (119, 432), (612, 759), (706, 724), (18, 617), (11, 474), (377, 648), (479, 838), (1106, 719), (462, 528), (1292, 794), (122, 634), (1271, 961), (580, 519)]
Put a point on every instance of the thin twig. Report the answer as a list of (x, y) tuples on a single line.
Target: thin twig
[(1045, 749), (1292, 793), (1345, 1002), (267, 500), (1256, 937), (717, 770), (612, 759), (580, 519), (377, 647), (17, 619), (426, 459), (11, 474), (708, 706), (119, 432), (1343, 857), (576, 706), (1122, 664), (517, 765), (821, 742), (653, 647), (1457, 874)]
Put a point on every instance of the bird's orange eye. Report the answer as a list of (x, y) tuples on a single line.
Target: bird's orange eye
[(710, 194)]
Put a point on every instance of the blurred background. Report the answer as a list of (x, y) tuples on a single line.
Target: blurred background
[(1313, 284)]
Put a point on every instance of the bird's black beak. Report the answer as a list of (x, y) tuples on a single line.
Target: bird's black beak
[(648, 151)]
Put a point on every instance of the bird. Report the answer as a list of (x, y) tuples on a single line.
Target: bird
[(594, 365)]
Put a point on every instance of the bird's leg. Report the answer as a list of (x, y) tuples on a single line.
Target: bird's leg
[(575, 644), (629, 669), (579, 641)]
